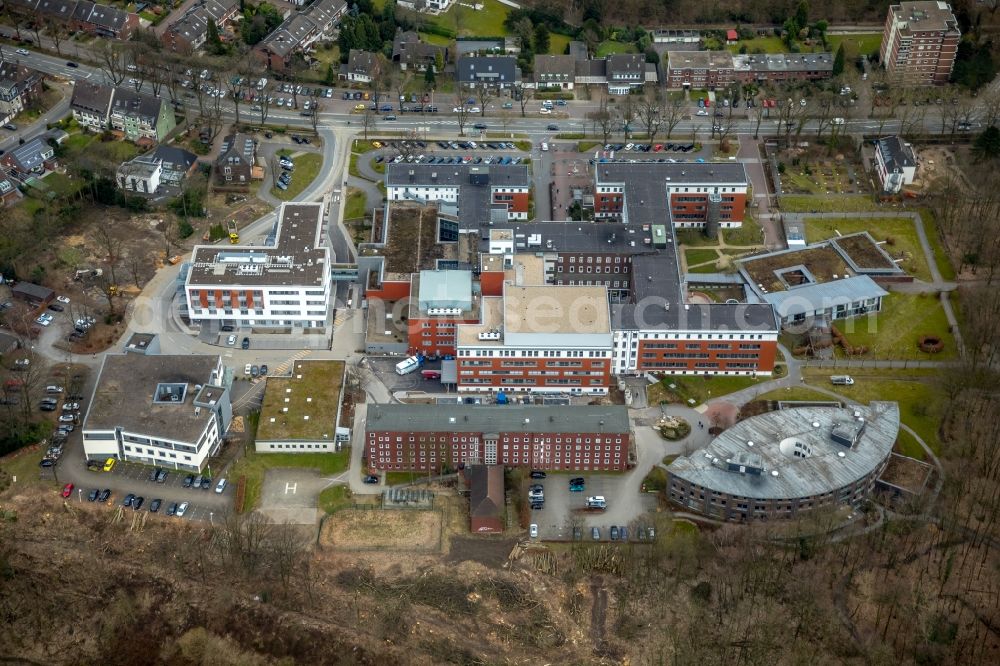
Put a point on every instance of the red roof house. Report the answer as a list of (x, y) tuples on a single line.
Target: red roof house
[(486, 498), (732, 36)]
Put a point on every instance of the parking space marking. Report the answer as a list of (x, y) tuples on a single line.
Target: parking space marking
[(290, 488)]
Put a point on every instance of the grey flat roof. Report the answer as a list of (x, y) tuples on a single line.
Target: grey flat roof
[(457, 175), (498, 418), (123, 397), (683, 173), (823, 295), (611, 237), (652, 314), (297, 257), (785, 476)]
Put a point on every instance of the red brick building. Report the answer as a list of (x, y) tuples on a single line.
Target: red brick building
[(486, 498), (920, 43), (578, 437)]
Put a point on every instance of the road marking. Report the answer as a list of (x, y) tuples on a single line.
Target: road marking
[(290, 488)]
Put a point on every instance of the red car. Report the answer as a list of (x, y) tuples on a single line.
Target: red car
[(67, 490)]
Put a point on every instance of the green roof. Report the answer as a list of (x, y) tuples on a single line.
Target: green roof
[(303, 405)]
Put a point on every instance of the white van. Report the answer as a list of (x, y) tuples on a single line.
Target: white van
[(597, 502), (842, 380), (407, 366)]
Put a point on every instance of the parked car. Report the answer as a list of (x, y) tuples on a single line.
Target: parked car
[(188, 480), (137, 503), (263, 369), (67, 490), (537, 474), (206, 482), (245, 344), (533, 531), (181, 508), (154, 506), (371, 478), (231, 340), (161, 476), (595, 533), (105, 495), (614, 533), (576, 485), (220, 487), (93, 495), (127, 502), (109, 464), (172, 509)]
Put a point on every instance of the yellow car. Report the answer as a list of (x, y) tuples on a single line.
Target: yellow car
[(359, 107), (109, 464), (376, 144)]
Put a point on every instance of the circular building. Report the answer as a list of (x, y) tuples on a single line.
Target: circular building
[(783, 463)]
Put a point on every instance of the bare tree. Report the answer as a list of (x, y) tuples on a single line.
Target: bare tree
[(603, 121), (136, 267), (112, 58), (400, 83), (672, 114), (626, 114), (237, 82), (824, 114), (484, 94), (989, 108), (314, 112), (56, 30), (286, 546), (523, 95), (264, 104), (461, 111), (650, 112), (368, 120)]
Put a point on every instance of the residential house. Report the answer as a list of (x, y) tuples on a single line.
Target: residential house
[(298, 33), (96, 19), (412, 53), (712, 70), (104, 21), (426, 6), (9, 194), (177, 163), (33, 294), (234, 166), (490, 71), (486, 498), (361, 67), (141, 117), (626, 71), (188, 33), (140, 175), (91, 104), (555, 71), (33, 158), (19, 87), (895, 164)]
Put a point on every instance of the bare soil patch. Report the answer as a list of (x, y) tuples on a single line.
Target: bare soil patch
[(490, 552), (355, 529)]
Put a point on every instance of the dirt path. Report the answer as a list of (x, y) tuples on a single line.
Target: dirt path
[(598, 612)]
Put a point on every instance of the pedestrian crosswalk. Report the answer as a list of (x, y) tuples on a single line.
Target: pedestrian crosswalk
[(283, 368)]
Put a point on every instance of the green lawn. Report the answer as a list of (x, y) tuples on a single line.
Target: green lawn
[(558, 43), (694, 238), (845, 203), (355, 208), (700, 256), (307, 168), (893, 332), (760, 45), (916, 392), (698, 388), (749, 233), (794, 393), (399, 478), (941, 258), (439, 40), (25, 468), (855, 45), (254, 464), (907, 445), (900, 231), (486, 22), (608, 47), (335, 498)]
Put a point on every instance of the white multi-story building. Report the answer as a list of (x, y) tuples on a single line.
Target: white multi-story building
[(482, 194), (170, 411), (282, 283)]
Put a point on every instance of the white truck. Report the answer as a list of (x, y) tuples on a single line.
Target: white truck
[(407, 366)]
